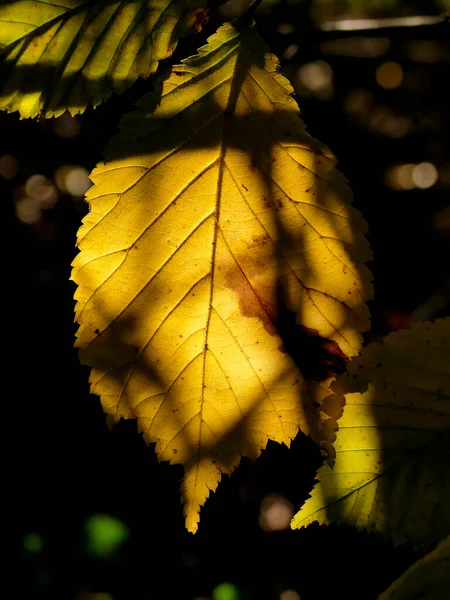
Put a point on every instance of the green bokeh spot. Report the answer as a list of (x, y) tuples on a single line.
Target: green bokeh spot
[(33, 543), (226, 591), (104, 535)]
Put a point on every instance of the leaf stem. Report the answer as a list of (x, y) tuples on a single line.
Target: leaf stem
[(248, 15)]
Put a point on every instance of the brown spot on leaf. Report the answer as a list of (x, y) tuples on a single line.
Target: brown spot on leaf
[(250, 304), (259, 240), (175, 451), (245, 187), (317, 358)]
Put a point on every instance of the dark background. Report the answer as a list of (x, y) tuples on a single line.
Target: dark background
[(62, 463)]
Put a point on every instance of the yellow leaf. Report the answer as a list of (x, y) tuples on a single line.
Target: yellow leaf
[(66, 55), (393, 446), (215, 217), (427, 579)]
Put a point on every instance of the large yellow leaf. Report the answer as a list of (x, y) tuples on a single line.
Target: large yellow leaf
[(71, 53), (427, 579), (215, 217), (393, 446)]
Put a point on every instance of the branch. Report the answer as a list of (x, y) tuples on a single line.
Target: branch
[(388, 23), (420, 27)]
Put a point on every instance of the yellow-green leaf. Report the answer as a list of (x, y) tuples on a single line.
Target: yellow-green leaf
[(393, 446), (68, 54), (427, 579), (214, 217)]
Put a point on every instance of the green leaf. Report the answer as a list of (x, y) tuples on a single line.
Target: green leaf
[(392, 449), (208, 223), (427, 579), (71, 53)]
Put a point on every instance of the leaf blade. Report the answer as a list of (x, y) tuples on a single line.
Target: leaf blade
[(428, 578), (392, 447), (68, 55), (206, 373)]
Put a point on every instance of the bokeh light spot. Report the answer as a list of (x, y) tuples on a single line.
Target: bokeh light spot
[(389, 75), (290, 595), (317, 78), (275, 513), (225, 591), (285, 28), (290, 51), (425, 51), (33, 543), (441, 220), (424, 175), (105, 534), (66, 126), (42, 190), (400, 177), (28, 211), (77, 181), (9, 167), (444, 175)]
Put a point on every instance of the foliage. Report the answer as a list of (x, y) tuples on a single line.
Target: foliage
[(205, 370), (428, 578), (220, 252), (68, 55), (392, 449)]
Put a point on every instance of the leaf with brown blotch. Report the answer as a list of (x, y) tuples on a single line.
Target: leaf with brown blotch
[(220, 241)]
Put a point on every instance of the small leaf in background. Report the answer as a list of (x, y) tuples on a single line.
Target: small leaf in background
[(393, 446), (220, 253), (104, 535), (55, 57), (427, 579)]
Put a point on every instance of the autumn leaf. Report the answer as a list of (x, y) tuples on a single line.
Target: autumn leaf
[(392, 448), (215, 221), (428, 578), (66, 55)]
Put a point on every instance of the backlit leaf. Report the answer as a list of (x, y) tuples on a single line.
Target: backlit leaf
[(68, 54), (215, 220), (427, 579), (393, 446)]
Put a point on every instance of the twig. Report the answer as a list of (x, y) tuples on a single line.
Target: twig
[(354, 25), (248, 15)]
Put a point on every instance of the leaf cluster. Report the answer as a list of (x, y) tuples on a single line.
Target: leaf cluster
[(222, 277)]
